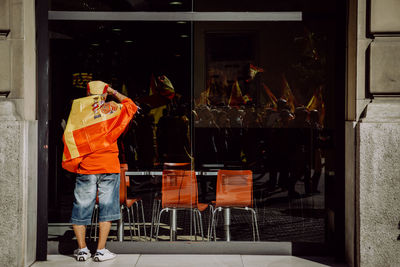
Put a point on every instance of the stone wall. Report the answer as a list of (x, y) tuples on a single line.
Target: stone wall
[(11, 188), (18, 134), (377, 165), (17, 187), (379, 184)]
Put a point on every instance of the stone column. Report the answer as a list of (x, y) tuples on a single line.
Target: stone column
[(379, 183), (18, 163), (378, 142), (18, 134)]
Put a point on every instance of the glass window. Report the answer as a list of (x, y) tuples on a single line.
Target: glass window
[(150, 62), (236, 116), (263, 103)]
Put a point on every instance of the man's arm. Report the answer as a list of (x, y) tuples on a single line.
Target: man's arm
[(116, 94)]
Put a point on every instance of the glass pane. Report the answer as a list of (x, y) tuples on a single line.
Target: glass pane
[(150, 62), (245, 124), (120, 5), (264, 120)]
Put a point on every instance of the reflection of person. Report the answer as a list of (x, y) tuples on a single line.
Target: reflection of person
[(91, 151), (145, 138), (300, 128), (316, 150), (162, 137)]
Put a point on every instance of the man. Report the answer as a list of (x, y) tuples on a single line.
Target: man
[(91, 151)]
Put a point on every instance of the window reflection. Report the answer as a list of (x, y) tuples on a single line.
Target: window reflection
[(264, 108), (262, 103)]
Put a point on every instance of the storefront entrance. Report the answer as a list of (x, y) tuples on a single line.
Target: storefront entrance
[(242, 109)]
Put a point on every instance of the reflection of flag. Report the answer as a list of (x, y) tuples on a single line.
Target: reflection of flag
[(153, 85), (203, 98), (247, 98), (124, 90), (160, 93), (93, 125), (253, 72), (271, 101), (236, 98), (310, 49), (164, 87), (287, 94), (157, 111), (317, 103)]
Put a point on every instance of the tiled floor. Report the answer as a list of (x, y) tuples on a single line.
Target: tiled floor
[(137, 260)]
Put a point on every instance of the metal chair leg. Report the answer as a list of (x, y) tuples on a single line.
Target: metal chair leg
[(209, 222), (144, 221), (213, 222), (133, 220), (201, 225), (128, 212), (255, 223), (194, 224), (216, 222), (156, 208), (153, 217), (252, 226), (197, 221), (158, 222), (138, 221)]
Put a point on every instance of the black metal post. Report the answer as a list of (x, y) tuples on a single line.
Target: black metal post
[(43, 102)]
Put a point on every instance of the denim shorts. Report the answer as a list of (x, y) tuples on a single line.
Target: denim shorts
[(86, 188)]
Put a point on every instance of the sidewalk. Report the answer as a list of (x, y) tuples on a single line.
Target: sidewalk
[(176, 260)]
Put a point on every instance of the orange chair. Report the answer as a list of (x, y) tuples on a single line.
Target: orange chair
[(179, 192), (235, 190), (157, 198), (125, 203)]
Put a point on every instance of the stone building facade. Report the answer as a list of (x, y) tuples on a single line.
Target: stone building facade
[(373, 134), (372, 125), (18, 133)]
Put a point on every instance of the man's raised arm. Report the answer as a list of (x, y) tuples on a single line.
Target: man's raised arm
[(116, 94)]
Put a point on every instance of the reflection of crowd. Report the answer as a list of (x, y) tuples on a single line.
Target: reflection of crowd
[(283, 143), (263, 139)]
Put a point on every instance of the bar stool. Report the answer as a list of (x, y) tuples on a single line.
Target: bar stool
[(234, 191), (179, 192)]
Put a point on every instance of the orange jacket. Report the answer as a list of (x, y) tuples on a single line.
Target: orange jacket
[(90, 137)]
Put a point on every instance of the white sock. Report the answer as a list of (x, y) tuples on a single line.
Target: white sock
[(84, 249), (101, 250)]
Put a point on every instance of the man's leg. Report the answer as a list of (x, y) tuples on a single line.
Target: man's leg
[(103, 234), (80, 233), (109, 205), (85, 198)]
